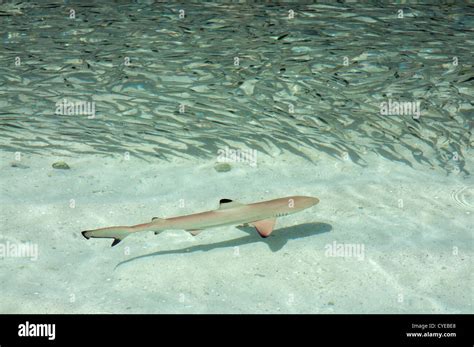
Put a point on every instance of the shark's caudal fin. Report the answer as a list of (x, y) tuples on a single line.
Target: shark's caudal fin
[(116, 233)]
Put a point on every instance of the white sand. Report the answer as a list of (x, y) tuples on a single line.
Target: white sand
[(417, 258)]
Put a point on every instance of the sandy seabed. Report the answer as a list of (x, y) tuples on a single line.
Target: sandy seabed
[(412, 227)]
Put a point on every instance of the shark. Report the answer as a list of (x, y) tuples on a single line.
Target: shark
[(261, 215)]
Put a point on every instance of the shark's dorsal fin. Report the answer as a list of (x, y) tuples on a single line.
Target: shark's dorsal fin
[(227, 203)]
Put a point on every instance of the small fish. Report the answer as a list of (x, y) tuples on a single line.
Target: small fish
[(261, 215)]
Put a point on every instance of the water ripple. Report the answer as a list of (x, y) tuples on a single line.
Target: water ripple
[(165, 86)]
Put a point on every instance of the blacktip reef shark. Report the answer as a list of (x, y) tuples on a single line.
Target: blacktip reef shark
[(261, 215)]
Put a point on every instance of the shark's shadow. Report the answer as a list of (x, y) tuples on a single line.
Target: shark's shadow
[(275, 241)]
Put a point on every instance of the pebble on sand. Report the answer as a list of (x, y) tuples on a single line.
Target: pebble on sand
[(222, 167), (62, 165)]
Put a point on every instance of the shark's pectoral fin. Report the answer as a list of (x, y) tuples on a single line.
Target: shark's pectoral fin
[(194, 232), (264, 227)]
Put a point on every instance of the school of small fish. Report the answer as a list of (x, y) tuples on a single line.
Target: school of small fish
[(184, 80)]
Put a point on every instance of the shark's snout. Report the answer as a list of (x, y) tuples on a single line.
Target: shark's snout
[(313, 201), (308, 201)]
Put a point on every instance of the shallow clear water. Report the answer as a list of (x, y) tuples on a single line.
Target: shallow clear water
[(368, 108), (289, 90)]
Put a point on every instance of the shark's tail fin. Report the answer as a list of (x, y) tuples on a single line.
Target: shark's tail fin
[(116, 233)]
